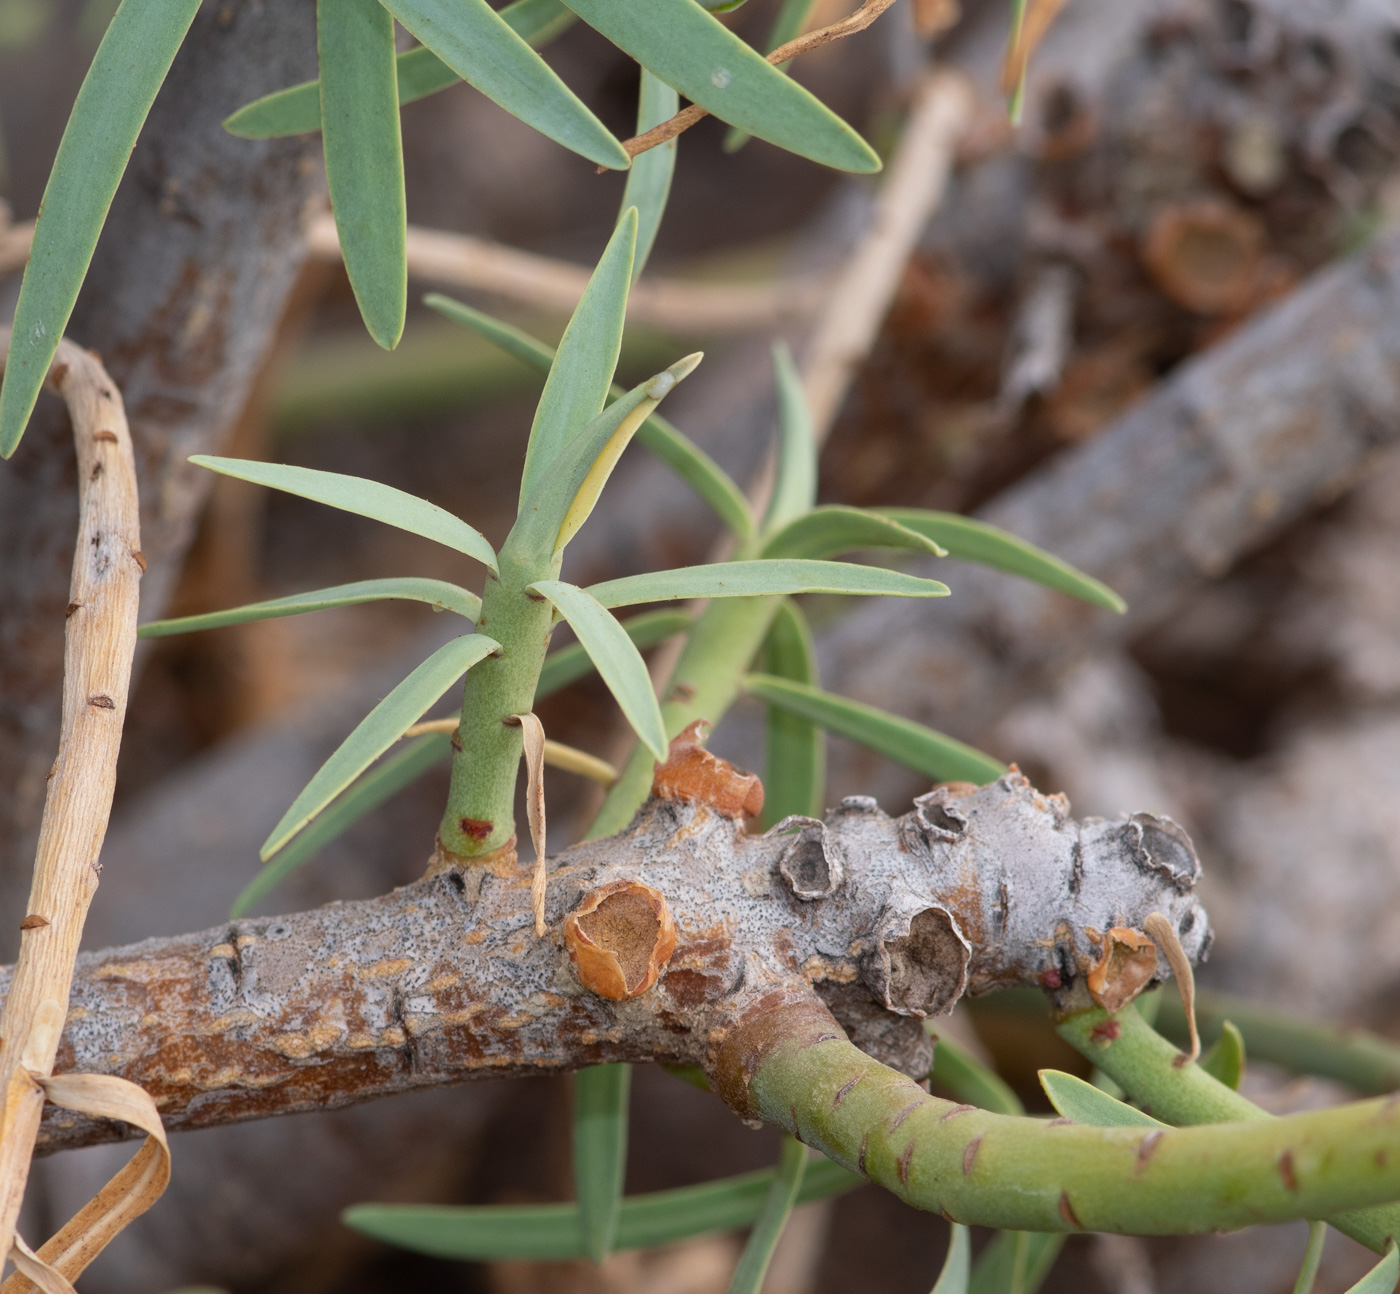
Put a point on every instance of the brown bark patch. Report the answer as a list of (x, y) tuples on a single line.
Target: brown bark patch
[(620, 938), (1125, 967), (691, 775)]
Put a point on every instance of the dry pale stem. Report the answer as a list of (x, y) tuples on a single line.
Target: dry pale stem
[(100, 640)]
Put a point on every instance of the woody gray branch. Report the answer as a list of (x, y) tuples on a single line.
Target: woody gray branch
[(885, 919)]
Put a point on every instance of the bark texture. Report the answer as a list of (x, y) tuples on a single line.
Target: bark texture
[(444, 979), (194, 265)]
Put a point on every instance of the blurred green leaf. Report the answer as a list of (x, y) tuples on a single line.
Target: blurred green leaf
[(1382, 1277), (1312, 1258), (582, 371), (371, 789), (795, 485), (692, 51), (762, 578), (379, 730), (600, 1152), (569, 663), (619, 662), (1084, 1103), (943, 759), (795, 761), (297, 109), (695, 467), (481, 47), (364, 157), (971, 1081), (22, 22), (1225, 1059), (649, 180), (552, 1231), (117, 93), (788, 25), (1016, 1262), (363, 497), (768, 1229), (835, 530), (957, 1267), (975, 541), (438, 594)]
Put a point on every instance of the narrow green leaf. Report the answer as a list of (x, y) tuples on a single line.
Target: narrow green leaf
[(649, 180), (1225, 1059), (975, 541), (943, 759), (1312, 1258), (763, 578), (559, 500), (371, 789), (971, 1081), (692, 51), (600, 1152), (363, 497), (788, 25), (379, 730), (297, 109), (551, 1232), (480, 46), (1381, 1279), (364, 157), (795, 486), (582, 371), (681, 454), (111, 107), (835, 530), (1016, 1262), (795, 760), (768, 1229), (569, 663), (618, 661), (957, 1267), (1084, 1103), (438, 594)]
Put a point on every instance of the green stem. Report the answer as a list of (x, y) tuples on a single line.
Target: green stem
[(706, 680), (480, 815), (1146, 1066), (1027, 1175)]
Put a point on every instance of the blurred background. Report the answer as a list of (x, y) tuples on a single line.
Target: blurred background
[(1152, 327)]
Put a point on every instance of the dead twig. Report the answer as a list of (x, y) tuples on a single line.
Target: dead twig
[(100, 641), (688, 116)]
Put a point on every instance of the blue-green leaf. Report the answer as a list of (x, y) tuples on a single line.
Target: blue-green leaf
[(941, 758), (365, 498), (582, 371), (619, 662), (552, 1232), (385, 780), (297, 109), (1381, 1279), (795, 760), (480, 46), (649, 181), (364, 157), (762, 578), (976, 541), (1084, 1103), (768, 1229), (438, 594), (569, 663), (971, 1081), (795, 486), (1225, 1059), (957, 1267), (692, 51), (695, 467), (379, 730), (1016, 1262), (835, 530), (788, 25), (117, 93), (600, 1152)]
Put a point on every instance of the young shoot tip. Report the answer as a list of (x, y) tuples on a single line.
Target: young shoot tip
[(661, 385)]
